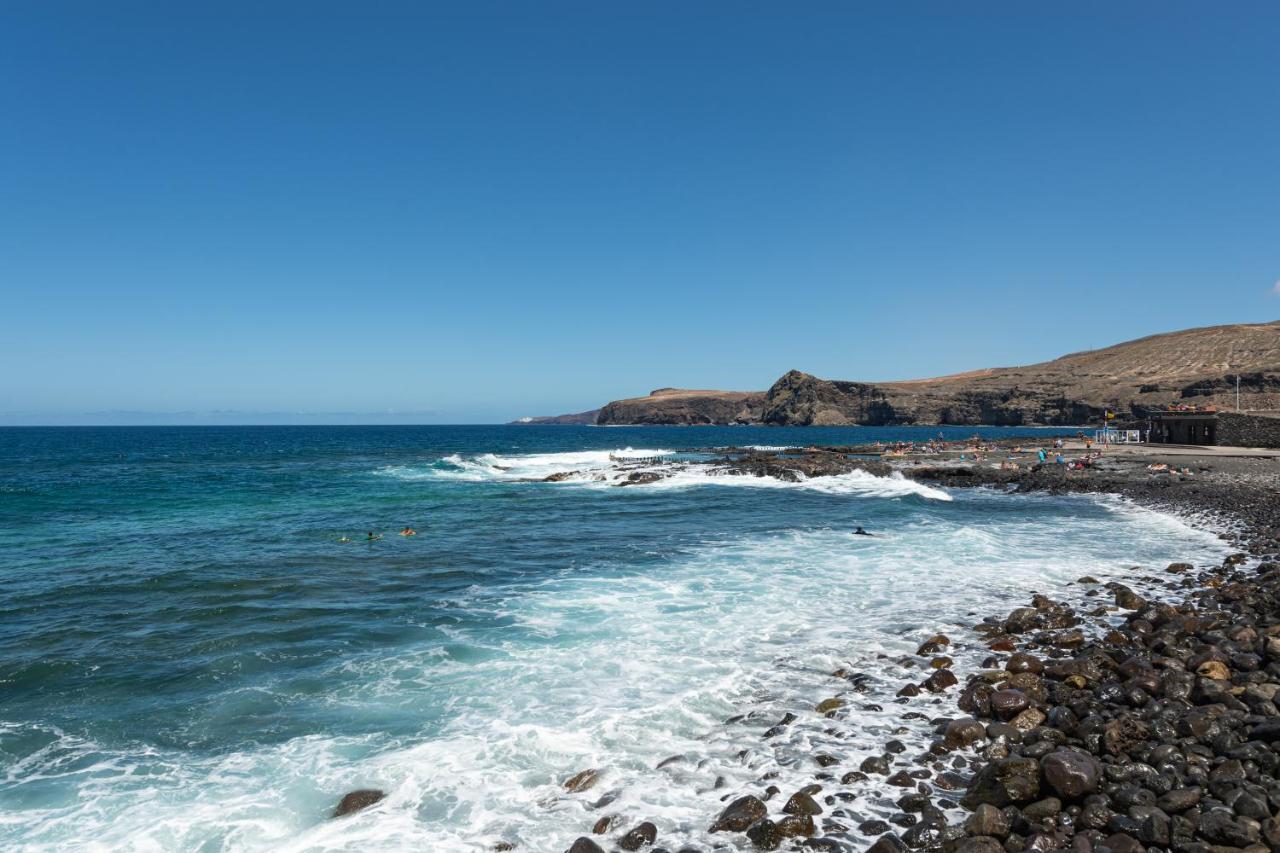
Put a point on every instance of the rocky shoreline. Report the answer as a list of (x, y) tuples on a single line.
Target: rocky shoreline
[(1108, 717)]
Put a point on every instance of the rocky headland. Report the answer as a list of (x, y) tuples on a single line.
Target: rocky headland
[(1195, 367)]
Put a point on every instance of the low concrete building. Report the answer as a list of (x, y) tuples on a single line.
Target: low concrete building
[(1227, 429)]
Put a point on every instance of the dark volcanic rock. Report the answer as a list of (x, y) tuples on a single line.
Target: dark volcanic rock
[(638, 837), (764, 834), (740, 814), (1006, 782), (1071, 774), (357, 800)]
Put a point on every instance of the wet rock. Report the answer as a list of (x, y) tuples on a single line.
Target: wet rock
[(602, 825), (1042, 809), (640, 836), (802, 803), (987, 820), (1007, 704), (828, 705), (936, 643), (1217, 670), (1128, 599), (873, 827), (764, 834), (902, 780), (1006, 782), (888, 843), (940, 681), (1122, 843), (581, 781), (740, 814), (963, 732), (797, 826), (1222, 827), (1027, 720), (585, 845), (1023, 662), (357, 800), (875, 764), (1125, 734), (979, 844), (1071, 774), (1021, 620), (1179, 799)]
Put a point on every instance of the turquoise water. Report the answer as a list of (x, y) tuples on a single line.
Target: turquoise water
[(190, 659)]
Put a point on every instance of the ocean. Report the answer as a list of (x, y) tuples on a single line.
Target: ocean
[(192, 659)]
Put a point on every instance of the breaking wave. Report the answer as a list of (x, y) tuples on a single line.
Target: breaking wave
[(615, 467)]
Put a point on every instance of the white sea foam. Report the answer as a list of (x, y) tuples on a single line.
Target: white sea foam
[(628, 669), (603, 468)]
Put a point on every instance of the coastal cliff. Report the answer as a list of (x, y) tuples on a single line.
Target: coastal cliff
[(677, 406), (1196, 366)]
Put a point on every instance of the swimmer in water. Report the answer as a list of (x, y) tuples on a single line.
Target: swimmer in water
[(860, 532), (373, 537), (408, 531), (344, 538)]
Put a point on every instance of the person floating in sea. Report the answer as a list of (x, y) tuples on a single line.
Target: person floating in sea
[(373, 537), (860, 532), (408, 531), (344, 538)]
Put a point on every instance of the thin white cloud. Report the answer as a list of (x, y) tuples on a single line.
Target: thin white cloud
[(1276, 289)]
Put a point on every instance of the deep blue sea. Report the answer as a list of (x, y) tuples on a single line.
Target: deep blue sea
[(192, 659)]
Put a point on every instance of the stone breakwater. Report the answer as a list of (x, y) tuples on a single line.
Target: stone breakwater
[(1129, 716)]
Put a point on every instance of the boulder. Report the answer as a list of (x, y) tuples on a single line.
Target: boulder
[(764, 834), (740, 814), (963, 732), (581, 781), (940, 681), (640, 836), (987, 820), (357, 800), (1072, 775), (585, 845), (802, 803), (1007, 704), (797, 826), (1005, 782)]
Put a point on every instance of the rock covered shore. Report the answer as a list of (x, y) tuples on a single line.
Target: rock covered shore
[(1129, 716)]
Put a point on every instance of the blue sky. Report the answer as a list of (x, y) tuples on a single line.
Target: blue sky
[(475, 211)]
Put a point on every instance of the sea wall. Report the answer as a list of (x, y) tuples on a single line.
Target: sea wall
[(1237, 429)]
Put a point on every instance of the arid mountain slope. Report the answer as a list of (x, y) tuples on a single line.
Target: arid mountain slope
[(1195, 366)]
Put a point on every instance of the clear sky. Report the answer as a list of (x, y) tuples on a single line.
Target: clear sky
[(470, 212)]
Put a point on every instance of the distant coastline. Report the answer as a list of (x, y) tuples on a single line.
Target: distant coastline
[(1220, 366)]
